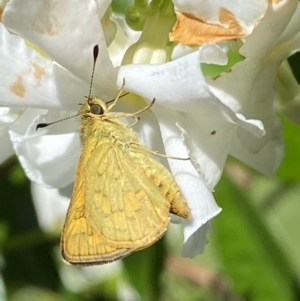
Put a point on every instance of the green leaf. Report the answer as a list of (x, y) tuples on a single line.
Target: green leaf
[(213, 70), (24, 262), (290, 166), (251, 256), (144, 269)]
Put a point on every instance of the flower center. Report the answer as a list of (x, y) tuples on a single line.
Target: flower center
[(153, 47)]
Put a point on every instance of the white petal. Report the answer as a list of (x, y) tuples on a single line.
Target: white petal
[(109, 27), (208, 134), (7, 117), (249, 91), (267, 34), (267, 158), (124, 38), (68, 32), (213, 54), (149, 133), (209, 147), (51, 207), (6, 146), (179, 84), (49, 160), (198, 195), (30, 80), (196, 243), (291, 35)]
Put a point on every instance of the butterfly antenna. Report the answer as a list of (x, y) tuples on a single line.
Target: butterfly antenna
[(43, 125), (112, 100), (95, 55)]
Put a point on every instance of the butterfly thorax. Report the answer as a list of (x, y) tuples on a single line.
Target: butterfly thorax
[(104, 126)]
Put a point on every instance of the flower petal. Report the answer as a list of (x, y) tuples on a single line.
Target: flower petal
[(209, 147), (51, 207), (30, 80), (6, 146), (267, 157), (248, 90), (125, 37), (7, 117), (195, 244), (49, 160), (55, 28), (179, 84), (268, 33), (198, 195)]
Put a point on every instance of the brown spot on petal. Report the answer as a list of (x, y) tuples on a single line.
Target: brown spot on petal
[(1, 12), (190, 30), (48, 23), (38, 71), (18, 87)]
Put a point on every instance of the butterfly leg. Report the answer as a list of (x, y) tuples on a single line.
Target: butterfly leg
[(137, 119), (116, 99), (126, 115), (156, 153), (144, 109)]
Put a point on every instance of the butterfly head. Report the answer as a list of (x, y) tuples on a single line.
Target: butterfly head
[(93, 106)]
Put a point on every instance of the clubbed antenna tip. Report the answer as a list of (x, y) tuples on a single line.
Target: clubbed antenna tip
[(95, 54)]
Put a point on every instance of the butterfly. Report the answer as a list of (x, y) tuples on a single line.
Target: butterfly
[(122, 196)]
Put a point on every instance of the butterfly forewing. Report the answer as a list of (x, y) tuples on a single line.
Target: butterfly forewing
[(80, 242)]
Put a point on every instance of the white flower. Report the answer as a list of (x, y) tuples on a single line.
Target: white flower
[(232, 114)]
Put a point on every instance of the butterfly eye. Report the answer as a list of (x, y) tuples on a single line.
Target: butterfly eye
[(96, 109)]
